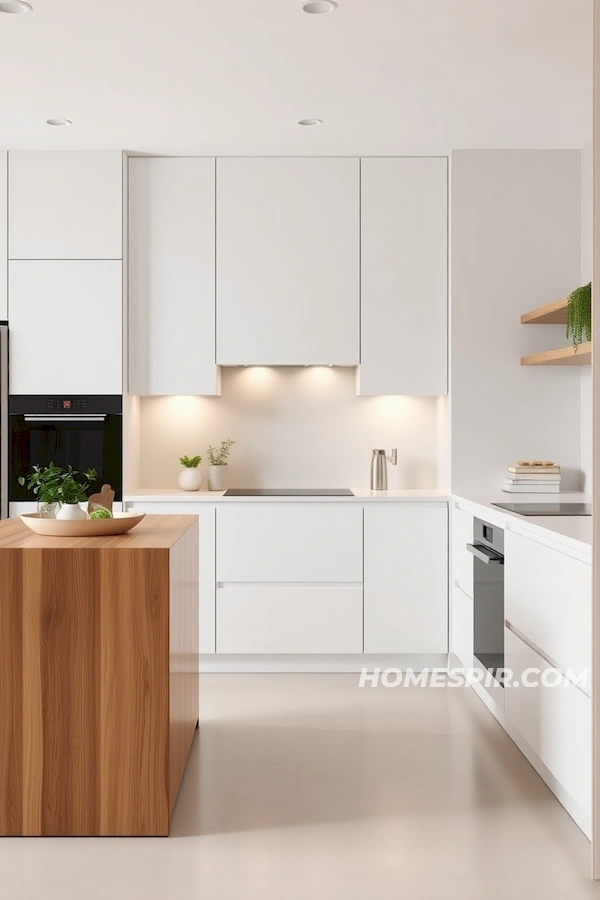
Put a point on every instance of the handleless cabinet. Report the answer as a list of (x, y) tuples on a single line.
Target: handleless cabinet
[(172, 276), (66, 326), (406, 579), (65, 205), (404, 261), (288, 261)]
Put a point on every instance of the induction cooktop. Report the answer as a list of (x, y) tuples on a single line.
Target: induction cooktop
[(548, 509), (288, 492)]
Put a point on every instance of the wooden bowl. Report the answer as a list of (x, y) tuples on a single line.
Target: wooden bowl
[(119, 524)]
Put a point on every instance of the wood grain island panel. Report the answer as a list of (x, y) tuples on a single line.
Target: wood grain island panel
[(98, 678)]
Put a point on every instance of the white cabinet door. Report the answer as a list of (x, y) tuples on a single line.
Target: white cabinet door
[(65, 204), (66, 326), (172, 276), (461, 628), (547, 598), (301, 542), (3, 235), (404, 293), (462, 561), (289, 620), (556, 722), (288, 261), (406, 579)]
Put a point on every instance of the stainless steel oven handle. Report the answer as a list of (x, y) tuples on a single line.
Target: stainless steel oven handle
[(66, 417), (486, 555)]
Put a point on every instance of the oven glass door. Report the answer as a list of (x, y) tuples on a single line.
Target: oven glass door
[(84, 442)]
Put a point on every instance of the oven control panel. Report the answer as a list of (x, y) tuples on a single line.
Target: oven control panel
[(60, 404)]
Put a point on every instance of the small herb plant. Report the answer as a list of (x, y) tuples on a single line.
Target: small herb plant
[(217, 456), (579, 314), (51, 485), (190, 462)]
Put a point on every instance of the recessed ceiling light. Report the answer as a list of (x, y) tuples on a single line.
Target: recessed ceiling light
[(310, 123), (15, 6), (320, 8), (58, 123)]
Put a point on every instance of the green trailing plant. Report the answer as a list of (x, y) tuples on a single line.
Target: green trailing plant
[(579, 314), (190, 462), (51, 484), (217, 456)]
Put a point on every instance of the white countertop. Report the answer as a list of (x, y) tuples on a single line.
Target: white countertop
[(361, 495), (568, 532)]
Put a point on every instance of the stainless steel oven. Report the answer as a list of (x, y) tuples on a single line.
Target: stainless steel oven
[(84, 432), (4, 457), (487, 550)]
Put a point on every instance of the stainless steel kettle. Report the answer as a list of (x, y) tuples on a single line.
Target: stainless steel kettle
[(379, 469)]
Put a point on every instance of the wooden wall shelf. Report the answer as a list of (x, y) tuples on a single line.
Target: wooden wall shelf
[(554, 313), (565, 356)]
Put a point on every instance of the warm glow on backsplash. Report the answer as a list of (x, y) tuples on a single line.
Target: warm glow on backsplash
[(293, 427)]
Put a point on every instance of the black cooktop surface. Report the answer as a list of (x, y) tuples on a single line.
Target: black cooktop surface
[(288, 492), (548, 509)]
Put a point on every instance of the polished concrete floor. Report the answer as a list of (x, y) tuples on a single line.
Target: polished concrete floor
[(305, 787)]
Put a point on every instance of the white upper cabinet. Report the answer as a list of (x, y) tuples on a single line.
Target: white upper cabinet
[(288, 261), (3, 234), (65, 205), (172, 276), (404, 253), (65, 327), (405, 579)]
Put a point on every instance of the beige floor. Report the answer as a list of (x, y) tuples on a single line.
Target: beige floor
[(304, 787)]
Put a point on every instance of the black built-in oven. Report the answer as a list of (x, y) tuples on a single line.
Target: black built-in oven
[(487, 550), (82, 431)]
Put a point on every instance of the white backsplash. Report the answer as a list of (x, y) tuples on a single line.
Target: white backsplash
[(293, 427)]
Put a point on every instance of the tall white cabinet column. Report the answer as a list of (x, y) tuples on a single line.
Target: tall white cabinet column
[(3, 234), (172, 276), (404, 262)]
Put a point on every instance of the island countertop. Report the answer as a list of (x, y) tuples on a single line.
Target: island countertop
[(153, 533)]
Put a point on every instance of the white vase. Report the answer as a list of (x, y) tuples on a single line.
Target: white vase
[(71, 511), (216, 478), (191, 479)]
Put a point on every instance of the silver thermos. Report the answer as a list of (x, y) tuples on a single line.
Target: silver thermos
[(379, 469)]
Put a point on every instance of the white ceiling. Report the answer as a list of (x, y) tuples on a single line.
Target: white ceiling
[(234, 76)]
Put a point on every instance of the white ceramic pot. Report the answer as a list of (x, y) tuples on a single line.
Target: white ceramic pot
[(216, 478), (71, 511), (191, 479)]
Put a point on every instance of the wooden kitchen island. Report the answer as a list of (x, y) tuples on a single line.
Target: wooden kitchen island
[(98, 677)]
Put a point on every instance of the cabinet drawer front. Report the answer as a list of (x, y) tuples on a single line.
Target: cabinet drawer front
[(462, 561), (280, 543), (555, 721), (548, 599), (461, 633), (289, 620)]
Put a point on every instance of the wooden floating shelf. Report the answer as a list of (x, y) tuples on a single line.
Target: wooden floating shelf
[(565, 356), (551, 314)]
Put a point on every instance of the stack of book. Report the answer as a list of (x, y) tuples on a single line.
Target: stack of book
[(532, 478)]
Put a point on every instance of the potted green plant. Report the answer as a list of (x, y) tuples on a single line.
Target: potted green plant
[(60, 492), (190, 477), (44, 482), (217, 460), (579, 314)]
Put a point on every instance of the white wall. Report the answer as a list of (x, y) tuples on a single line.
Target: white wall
[(515, 244), (586, 276), (293, 427)]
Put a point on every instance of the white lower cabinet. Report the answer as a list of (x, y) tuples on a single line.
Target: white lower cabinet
[(461, 629), (547, 598), (462, 561), (555, 721), (406, 579), (302, 619)]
